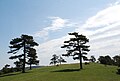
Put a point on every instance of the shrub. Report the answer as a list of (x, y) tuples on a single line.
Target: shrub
[(118, 71)]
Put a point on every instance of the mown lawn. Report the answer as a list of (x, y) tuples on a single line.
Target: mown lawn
[(68, 72)]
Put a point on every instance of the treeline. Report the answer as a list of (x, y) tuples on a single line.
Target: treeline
[(107, 60), (6, 69), (57, 59)]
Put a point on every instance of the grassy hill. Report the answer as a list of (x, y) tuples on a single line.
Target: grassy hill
[(68, 72)]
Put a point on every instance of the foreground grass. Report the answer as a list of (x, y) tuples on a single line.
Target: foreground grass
[(92, 72)]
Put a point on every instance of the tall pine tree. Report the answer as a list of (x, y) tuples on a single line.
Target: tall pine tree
[(23, 43), (76, 47)]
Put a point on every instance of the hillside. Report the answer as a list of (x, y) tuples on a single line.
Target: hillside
[(68, 72)]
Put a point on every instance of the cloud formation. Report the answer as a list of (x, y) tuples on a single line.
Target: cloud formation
[(57, 23), (105, 17), (103, 30)]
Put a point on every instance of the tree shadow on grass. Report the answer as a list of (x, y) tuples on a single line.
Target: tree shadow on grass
[(67, 70), (11, 74)]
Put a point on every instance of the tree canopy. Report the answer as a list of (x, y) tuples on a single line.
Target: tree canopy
[(57, 59), (76, 47), (32, 57), (54, 59)]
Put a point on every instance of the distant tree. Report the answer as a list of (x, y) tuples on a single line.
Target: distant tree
[(105, 60), (6, 69), (92, 59), (23, 43), (109, 60), (54, 59), (60, 60), (116, 60), (85, 58), (7, 65), (76, 47), (102, 60), (32, 57)]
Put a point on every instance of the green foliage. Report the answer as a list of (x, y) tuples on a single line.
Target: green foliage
[(116, 60), (107, 60), (54, 59), (6, 69), (60, 60), (92, 59), (69, 72), (32, 57), (57, 59), (118, 71)]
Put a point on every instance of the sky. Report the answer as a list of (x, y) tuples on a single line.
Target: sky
[(50, 21)]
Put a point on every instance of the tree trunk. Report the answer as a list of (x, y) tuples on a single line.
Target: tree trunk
[(30, 66), (24, 59), (80, 55), (60, 63)]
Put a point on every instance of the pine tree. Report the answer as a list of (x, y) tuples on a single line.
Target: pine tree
[(32, 57), (76, 47), (54, 59), (22, 43), (92, 59), (60, 60)]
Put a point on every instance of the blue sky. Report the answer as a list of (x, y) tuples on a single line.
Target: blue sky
[(49, 21)]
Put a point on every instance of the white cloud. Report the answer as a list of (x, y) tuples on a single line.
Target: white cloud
[(110, 30), (42, 33), (116, 3), (103, 23), (103, 30), (105, 17), (57, 23)]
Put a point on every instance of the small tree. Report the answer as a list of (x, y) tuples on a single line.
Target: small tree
[(102, 60), (106, 60), (54, 59), (109, 60), (6, 69), (60, 60), (92, 59), (85, 58), (76, 47), (116, 60), (32, 57), (23, 43)]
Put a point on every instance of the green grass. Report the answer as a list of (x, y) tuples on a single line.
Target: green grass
[(69, 72)]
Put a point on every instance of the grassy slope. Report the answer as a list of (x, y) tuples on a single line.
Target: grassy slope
[(92, 72)]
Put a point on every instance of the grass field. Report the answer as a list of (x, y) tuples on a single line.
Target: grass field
[(69, 72)]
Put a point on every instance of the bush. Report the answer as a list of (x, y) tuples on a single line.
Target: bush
[(118, 71), (86, 63)]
